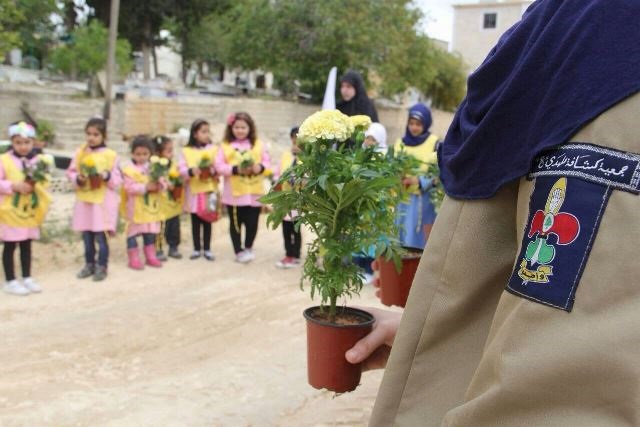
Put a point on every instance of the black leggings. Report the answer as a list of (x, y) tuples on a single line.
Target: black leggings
[(292, 239), (247, 215), (196, 225), (25, 259)]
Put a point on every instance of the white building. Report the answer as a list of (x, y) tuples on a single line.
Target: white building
[(478, 26)]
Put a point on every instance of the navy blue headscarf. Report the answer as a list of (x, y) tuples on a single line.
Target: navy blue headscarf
[(419, 112), (562, 65)]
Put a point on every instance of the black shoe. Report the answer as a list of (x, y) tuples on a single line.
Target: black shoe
[(173, 253), (161, 256), (195, 255), (87, 271)]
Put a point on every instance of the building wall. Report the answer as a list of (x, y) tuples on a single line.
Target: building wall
[(474, 42)]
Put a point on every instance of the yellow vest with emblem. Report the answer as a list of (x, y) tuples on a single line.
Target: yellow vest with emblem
[(193, 156), (169, 206), (104, 161), (424, 152), (244, 185), (146, 207), (22, 210)]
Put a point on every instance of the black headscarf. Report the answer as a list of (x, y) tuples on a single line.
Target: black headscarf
[(360, 103)]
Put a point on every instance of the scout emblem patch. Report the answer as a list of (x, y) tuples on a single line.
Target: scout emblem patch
[(572, 188)]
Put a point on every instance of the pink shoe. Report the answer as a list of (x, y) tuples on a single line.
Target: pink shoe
[(150, 255), (134, 259)]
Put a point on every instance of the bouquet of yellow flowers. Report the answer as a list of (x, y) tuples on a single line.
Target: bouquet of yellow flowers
[(158, 168), (205, 165)]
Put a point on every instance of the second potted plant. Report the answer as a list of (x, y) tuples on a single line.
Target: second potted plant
[(346, 197)]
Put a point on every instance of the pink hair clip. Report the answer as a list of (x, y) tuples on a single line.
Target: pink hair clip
[(231, 118)]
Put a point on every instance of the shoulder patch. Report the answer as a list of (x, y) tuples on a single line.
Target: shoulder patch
[(564, 216)]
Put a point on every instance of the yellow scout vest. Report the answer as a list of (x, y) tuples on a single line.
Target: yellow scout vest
[(244, 185), (146, 207), (424, 152), (170, 207), (104, 161), (193, 156), (285, 163), (22, 210)]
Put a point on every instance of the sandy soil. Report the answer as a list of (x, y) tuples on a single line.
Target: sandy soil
[(191, 344)]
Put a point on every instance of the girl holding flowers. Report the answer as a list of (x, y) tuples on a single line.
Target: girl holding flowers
[(171, 201), (242, 160), (24, 203), (144, 178), (201, 185), (95, 175)]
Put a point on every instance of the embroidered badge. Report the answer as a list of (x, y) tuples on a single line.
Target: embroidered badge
[(565, 213)]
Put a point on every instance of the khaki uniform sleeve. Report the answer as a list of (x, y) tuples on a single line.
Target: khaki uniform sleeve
[(461, 276)]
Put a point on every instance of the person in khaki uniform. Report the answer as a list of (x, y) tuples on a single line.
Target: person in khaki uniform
[(525, 310)]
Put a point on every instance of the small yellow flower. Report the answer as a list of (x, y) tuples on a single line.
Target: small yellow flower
[(206, 156), (164, 162), (154, 159), (89, 161), (361, 121), (173, 173)]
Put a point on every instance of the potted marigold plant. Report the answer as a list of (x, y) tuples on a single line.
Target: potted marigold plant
[(88, 168), (176, 183), (205, 166), (346, 197)]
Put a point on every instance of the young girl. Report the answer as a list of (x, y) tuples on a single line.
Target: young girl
[(417, 217), (242, 160), (198, 172), (23, 206), (95, 175), (292, 238), (141, 207), (170, 202)]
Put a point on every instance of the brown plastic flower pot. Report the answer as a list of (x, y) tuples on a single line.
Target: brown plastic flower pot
[(205, 174), (95, 181), (395, 285), (327, 344), (176, 192)]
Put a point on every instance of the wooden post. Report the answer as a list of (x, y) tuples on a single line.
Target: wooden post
[(111, 56)]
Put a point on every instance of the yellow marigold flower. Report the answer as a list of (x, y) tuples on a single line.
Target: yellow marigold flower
[(206, 156), (89, 161), (361, 121), (154, 159), (164, 162), (328, 125), (173, 173)]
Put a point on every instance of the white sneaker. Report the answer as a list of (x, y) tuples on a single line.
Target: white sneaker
[(242, 257), (31, 285), (15, 288), (249, 254)]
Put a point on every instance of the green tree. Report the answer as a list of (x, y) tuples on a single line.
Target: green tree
[(87, 53), (37, 33), (302, 39), (448, 86), (10, 19)]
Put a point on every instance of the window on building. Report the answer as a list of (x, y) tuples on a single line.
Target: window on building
[(490, 20)]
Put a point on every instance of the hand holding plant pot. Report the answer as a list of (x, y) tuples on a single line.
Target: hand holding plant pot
[(342, 196), (37, 173)]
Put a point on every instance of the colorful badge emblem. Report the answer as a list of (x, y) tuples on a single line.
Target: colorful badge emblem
[(572, 189)]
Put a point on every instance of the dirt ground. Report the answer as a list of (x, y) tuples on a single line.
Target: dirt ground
[(192, 344)]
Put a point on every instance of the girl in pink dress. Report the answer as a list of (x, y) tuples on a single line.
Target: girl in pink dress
[(20, 216), (242, 159), (141, 208), (95, 175), (199, 174)]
